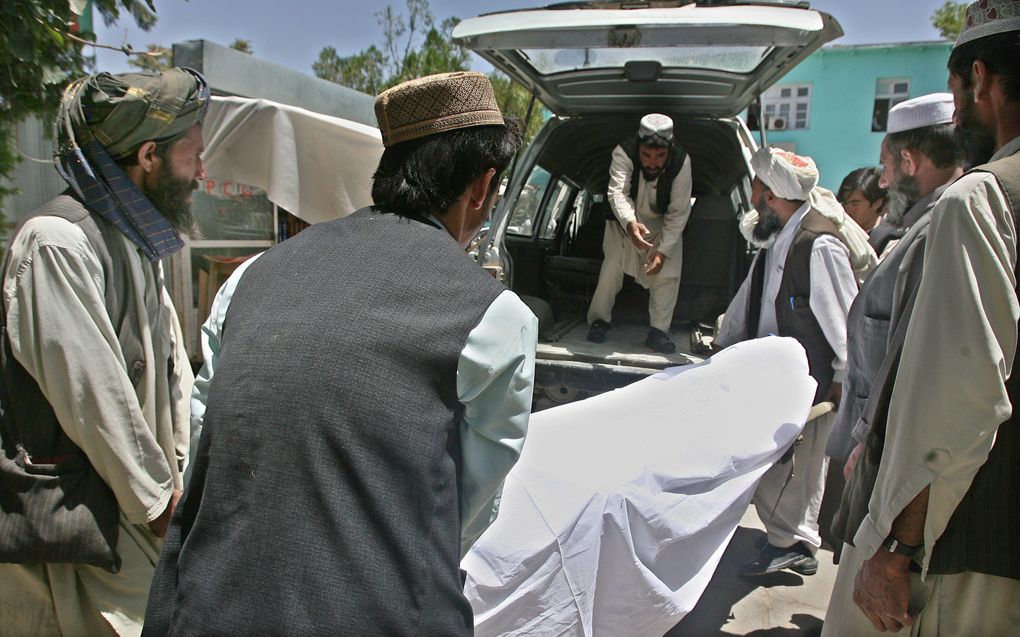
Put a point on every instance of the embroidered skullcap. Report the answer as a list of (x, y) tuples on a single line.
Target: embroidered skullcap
[(989, 17), (436, 104), (927, 110), (788, 175), (656, 125), (123, 111)]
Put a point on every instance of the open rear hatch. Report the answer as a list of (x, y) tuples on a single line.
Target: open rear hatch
[(707, 58)]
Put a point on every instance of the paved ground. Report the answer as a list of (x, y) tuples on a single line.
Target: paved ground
[(783, 604)]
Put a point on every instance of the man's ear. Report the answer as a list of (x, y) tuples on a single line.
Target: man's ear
[(908, 161), (478, 192), (981, 81), (146, 156)]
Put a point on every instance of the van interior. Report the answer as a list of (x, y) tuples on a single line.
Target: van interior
[(555, 229)]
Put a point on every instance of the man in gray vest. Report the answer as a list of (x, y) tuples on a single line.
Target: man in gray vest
[(94, 365), (650, 195), (372, 390), (932, 502), (920, 158), (801, 285)]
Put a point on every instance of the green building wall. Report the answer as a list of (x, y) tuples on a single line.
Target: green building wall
[(843, 81)]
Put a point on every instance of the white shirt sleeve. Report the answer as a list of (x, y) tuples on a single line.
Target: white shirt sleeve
[(212, 332), (620, 172), (734, 325), (495, 382), (833, 289)]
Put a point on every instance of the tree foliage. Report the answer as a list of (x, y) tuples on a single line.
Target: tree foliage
[(513, 100), (156, 59), (242, 45), (949, 19), (40, 51), (413, 46)]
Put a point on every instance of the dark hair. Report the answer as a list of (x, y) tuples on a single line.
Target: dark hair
[(427, 175), (1000, 53), (866, 180), (938, 143)]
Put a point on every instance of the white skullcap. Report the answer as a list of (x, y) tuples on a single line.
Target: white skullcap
[(789, 176), (927, 110), (989, 17), (656, 124)]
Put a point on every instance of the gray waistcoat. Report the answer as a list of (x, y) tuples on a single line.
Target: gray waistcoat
[(325, 498), (879, 307)]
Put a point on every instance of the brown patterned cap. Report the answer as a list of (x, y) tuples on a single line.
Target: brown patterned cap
[(989, 17), (436, 104)]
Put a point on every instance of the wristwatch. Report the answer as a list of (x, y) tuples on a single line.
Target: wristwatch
[(893, 545)]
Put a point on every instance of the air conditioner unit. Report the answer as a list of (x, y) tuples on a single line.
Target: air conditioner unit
[(777, 123)]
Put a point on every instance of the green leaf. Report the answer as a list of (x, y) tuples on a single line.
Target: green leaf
[(22, 45)]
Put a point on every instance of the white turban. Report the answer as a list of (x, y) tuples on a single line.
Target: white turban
[(791, 176)]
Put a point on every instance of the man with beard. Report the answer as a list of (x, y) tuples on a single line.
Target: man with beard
[(801, 284), (372, 388), (95, 375), (920, 158), (931, 503), (650, 195)]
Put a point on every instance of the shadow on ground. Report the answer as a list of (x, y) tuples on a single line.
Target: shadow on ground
[(727, 588)]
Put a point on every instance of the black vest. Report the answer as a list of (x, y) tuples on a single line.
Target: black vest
[(983, 534), (664, 187), (325, 495), (793, 301)]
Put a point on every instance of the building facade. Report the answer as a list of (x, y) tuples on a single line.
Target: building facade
[(833, 105)]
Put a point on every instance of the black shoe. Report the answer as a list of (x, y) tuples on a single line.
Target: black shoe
[(773, 559), (597, 331), (658, 341)]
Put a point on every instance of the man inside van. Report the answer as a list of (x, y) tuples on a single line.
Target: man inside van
[(650, 195)]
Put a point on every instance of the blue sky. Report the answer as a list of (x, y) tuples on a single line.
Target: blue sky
[(292, 34)]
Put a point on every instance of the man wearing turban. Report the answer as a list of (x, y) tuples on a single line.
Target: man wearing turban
[(95, 372), (801, 285)]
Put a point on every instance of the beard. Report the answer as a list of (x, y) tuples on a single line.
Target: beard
[(171, 197), (976, 139), (651, 174), (903, 194), (768, 222)]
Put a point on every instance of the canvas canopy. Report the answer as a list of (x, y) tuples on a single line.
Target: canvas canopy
[(317, 167)]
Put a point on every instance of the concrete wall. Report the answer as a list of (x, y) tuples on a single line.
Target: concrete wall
[(35, 178), (231, 72), (839, 136)]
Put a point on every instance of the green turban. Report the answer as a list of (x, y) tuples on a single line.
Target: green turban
[(123, 111)]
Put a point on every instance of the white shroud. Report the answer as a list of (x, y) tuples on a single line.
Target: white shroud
[(620, 508)]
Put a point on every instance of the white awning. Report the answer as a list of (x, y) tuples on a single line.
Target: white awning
[(315, 166)]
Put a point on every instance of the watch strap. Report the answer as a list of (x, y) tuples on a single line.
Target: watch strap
[(893, 545)]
